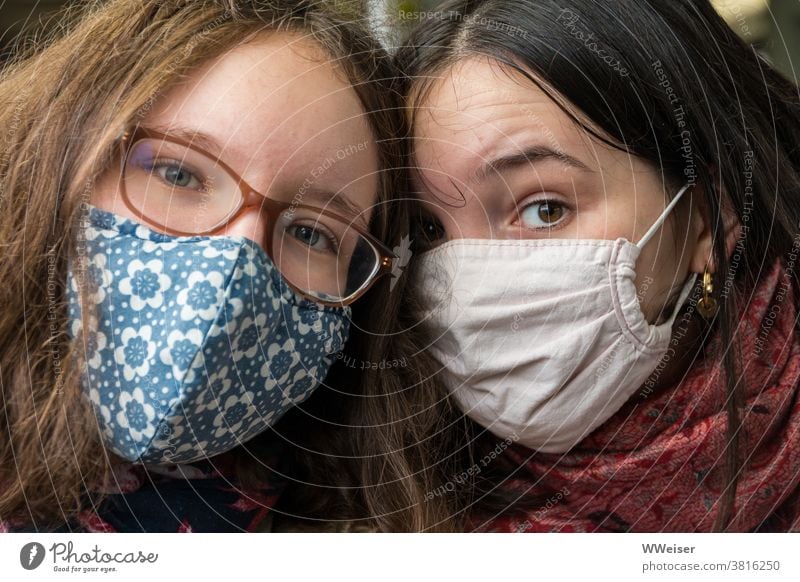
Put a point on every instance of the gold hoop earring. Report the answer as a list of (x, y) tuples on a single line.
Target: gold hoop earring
[(707, 305)]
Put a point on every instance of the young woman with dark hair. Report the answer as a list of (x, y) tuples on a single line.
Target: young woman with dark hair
[(610, 211)]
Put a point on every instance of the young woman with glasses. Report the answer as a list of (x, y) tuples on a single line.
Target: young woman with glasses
[(193, 195)]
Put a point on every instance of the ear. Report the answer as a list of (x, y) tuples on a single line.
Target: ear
[(703, 229)]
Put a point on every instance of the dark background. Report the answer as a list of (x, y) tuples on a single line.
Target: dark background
[(771, 25), (19, 15)]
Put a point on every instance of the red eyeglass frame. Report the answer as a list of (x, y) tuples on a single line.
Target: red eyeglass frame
[(250, 198)]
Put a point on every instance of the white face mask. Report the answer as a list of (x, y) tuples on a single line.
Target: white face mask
[(542, 340)]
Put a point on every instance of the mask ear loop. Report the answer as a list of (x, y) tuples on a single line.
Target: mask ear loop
[(649, 234), (660, 220)]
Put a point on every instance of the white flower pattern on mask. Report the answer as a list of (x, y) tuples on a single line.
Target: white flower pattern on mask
[(94, 226), (95, 344), (181, 353), (228, 319), (197, 344), (98, 279), (202, 297), (228, 252), (248, 340), (216, 387), (135, 352), (249, 267), (296, 391), (145, 284), (136, 415), (236, 410), (280, 362)]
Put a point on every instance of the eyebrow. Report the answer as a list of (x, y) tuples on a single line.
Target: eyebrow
[(532, 155), (340, 204), (196, 138)]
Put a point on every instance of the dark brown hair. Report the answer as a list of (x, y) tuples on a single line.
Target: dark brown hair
[(736, 108)]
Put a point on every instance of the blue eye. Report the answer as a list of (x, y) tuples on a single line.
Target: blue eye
[(178, 176), (542, 214), (174, 174)]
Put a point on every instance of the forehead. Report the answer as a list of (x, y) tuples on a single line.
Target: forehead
[(479, 109), (279, 98)]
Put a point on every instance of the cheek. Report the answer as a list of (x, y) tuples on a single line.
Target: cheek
[(661, 271), (106, 195)]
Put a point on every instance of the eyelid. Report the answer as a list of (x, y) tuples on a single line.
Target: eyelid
[(326, 232), (158, 162), (543, 197)]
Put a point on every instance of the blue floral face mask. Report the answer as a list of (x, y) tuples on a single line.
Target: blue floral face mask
[(193, 345)]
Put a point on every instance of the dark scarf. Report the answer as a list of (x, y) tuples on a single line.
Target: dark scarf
[(197, 497)]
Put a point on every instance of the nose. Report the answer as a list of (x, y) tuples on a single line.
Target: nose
[(250, 223)]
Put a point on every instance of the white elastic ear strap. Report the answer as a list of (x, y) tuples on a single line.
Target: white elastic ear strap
[(684, 295), (660, 220)]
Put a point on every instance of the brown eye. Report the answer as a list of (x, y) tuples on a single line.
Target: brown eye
[(550, 212), (542, 214)]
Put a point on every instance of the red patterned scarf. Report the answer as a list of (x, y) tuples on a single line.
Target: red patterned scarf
[(658, 464)]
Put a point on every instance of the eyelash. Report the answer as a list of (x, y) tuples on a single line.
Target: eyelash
[(162, 162)]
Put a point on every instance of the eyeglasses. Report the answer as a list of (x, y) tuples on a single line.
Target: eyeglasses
[(183, 190)]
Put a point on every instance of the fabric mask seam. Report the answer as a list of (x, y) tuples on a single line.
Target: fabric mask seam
[(622, 320)]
